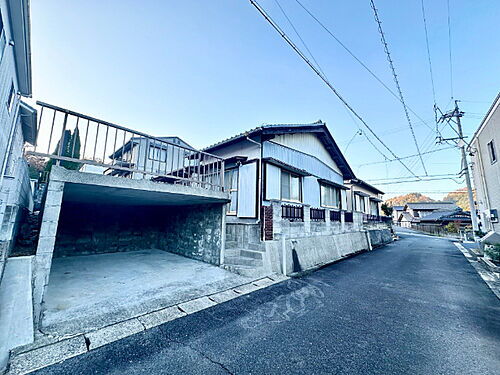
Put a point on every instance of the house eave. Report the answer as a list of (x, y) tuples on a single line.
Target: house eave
[(19, 19)]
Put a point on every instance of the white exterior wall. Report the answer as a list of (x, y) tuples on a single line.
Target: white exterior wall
[(15, 189), (487, 175), (309, 144)]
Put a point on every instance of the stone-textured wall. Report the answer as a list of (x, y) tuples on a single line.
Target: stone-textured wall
[(243, 236), (192, 231), (379, 237)]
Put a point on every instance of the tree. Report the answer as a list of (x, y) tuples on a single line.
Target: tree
[(387, 209), (460, 198), (401, 200), (71, 148)]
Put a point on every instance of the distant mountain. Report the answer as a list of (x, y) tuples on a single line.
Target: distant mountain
[(401, 200), (460, 198)]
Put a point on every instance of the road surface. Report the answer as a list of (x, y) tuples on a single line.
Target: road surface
[(413, 307)]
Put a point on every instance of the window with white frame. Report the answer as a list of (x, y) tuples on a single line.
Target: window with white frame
[(10, 98), (231, 186), (330, 196), (3, 40), (291, 187), (359, 201), (492, 151), (157, 153)]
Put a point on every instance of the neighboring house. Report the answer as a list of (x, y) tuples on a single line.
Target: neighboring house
[(444, 217), (485, 150), (420, 210), (296, 164), (363, 197), (405, 219), (168, 155), (287, 187), (396, 213), (17, 119)]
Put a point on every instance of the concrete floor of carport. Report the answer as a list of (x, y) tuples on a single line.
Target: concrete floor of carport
[(92, 291)]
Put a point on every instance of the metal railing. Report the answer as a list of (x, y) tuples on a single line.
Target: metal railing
[(292, 213), (335, 216), (367, 218), (317, 214), (74, 140)]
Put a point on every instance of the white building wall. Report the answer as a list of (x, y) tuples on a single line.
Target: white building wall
[(309, 144), (485, 173)]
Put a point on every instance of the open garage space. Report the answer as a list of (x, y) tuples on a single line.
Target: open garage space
[(112, 248), (92, 291)]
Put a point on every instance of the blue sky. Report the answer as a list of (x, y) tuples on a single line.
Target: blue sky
[(206, 70)]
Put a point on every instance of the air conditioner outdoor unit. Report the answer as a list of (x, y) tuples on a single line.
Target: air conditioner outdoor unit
[(494, 216)]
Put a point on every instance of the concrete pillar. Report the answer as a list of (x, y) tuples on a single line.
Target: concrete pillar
[(307, 219), (223, 234), (342, 221), (46, 242)]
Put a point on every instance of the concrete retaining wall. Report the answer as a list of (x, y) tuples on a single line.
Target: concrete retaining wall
[(380, 237), (308, 253), (192, 231)]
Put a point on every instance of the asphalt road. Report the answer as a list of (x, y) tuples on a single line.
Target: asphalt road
[(413, 307)]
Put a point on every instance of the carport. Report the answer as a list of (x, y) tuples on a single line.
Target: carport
[(119, 247)]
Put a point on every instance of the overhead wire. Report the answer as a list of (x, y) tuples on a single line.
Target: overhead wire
[(428, 51), (322, 72), (358, 60), (396, 81), (285, 37), (449, 48)]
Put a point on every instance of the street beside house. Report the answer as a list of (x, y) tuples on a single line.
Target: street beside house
[(415, 306)]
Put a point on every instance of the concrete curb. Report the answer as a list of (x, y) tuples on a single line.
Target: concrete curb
[(50, 351), (490, 278)]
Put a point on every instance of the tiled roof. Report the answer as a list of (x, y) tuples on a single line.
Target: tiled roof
[(447, 214), (319, 128), (432, 206), (258, 128)]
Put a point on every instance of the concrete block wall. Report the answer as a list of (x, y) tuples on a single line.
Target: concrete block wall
[(46, 241), (307, 228)]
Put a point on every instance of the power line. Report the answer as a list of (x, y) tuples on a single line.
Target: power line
[(324, 75), (405, 157), (358, 60), (433, 175), (396, 81), (323, 78), (428, 52), (421, 180), (298, 35), (449, 48)]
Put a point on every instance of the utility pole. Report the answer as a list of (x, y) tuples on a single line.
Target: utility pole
[(456, 114)]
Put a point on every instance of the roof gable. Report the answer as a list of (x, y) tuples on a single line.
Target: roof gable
[(268, 132)]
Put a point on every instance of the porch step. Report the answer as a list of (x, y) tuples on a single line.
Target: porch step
[(243, 261), (253, 254)]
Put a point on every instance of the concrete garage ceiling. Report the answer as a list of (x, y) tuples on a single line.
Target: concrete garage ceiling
[(85, 193)]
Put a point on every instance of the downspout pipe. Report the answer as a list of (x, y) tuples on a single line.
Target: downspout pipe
[(260, 180)]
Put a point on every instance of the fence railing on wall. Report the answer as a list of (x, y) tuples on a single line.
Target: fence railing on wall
[(317, 214), (335, 216), (293, 213), (72, 140)]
